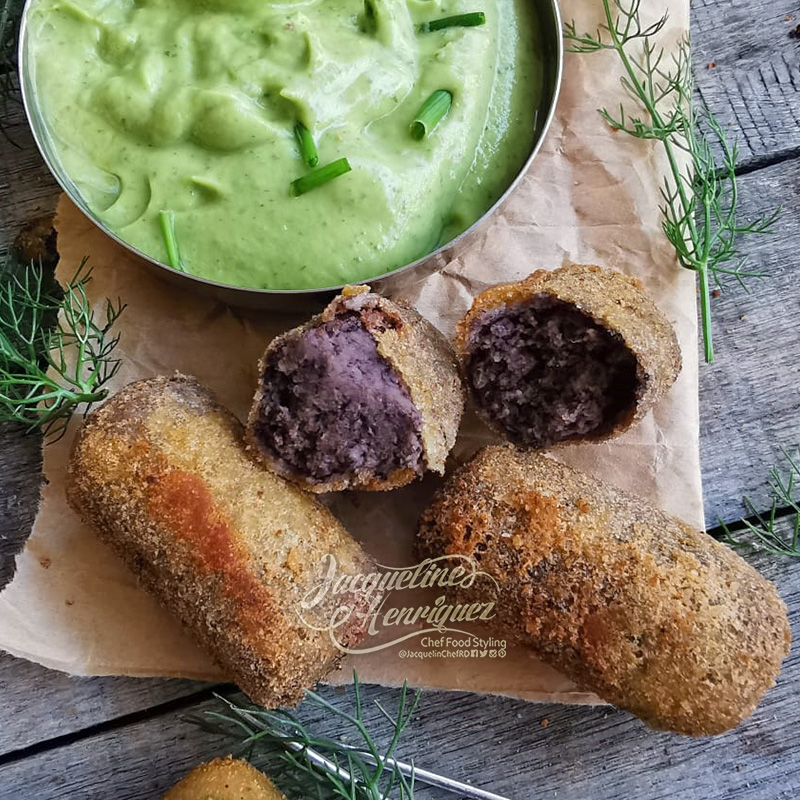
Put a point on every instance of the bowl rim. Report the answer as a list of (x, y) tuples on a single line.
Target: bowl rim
[(71, 191)]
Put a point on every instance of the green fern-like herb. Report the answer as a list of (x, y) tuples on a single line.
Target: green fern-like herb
[(766, 533), (699, 204), (56, 354), (310, 766)]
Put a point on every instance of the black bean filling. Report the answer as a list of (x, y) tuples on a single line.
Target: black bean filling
[(545, 372), (332, 405)]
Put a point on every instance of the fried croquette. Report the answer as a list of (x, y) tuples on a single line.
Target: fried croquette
[(224, 779), (630, 603), (577, 353), (162, 473), (367, 395)]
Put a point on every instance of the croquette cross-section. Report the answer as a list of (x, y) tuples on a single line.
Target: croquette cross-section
[(366, 395), (580, 353)]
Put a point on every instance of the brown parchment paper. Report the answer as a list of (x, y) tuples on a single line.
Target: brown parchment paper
[(592, 196)]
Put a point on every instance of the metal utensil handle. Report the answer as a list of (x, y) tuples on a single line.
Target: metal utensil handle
[(422, 775), (434, 779)]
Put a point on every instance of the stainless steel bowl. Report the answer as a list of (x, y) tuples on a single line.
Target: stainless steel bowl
[(303, 300)]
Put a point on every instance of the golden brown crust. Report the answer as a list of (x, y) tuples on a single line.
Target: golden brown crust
[(614, 301), (162, 473), (629, 602), (422, 359), (224, 779)]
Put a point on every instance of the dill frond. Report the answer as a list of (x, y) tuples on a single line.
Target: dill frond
[(700, 205), (55, 353), (767, 533)]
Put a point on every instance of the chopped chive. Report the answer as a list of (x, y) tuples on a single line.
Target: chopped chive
[(167, 220), (308, 150), (320, 176), (431, 113), (458, 21)]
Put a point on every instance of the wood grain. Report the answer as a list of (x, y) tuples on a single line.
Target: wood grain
[(27, 189), (752, 86), (72, 704), (750, 396)]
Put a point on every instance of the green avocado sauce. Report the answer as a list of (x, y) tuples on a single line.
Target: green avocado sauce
[(190, 106)]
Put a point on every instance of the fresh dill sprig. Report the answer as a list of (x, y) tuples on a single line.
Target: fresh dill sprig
[(55, 355), (764, 532), (699, 205), (355, 771)]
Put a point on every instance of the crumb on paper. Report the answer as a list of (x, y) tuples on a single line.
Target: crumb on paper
[(45, 562)]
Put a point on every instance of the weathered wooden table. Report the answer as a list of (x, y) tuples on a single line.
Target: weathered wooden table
[(124, 738)]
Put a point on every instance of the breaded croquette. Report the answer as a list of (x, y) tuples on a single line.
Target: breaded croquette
[(366, 395), (224, 779), (577, 353), (162, 473), (630, 603)]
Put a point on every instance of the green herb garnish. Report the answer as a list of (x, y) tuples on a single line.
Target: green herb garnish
[(431, 113), (699, 203), (764, 532), (456, 21), (167, 221), (317, 766), (308, 150), (320, 176), (54, 354)]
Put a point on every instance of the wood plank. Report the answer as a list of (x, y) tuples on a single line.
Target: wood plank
[(754, 87), (20, 475), (27, 189), (40, 704), (501, 744), (750, 396)]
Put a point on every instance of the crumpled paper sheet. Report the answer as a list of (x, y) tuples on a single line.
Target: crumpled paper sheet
[(592, 196)]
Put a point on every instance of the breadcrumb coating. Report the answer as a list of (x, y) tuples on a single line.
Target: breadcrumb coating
[(225, 779), (629, 602), (162, 473)]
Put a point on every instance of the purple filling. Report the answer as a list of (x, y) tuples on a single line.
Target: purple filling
[(332, 405), (545, 372)]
